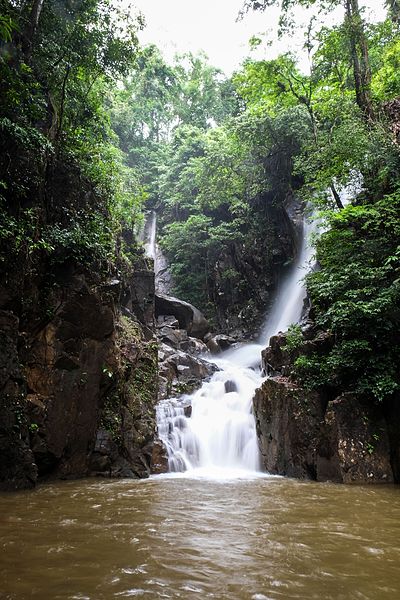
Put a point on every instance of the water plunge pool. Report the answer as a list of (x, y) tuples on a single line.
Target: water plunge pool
[(179, 537)]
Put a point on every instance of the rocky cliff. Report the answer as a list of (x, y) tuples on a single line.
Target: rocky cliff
[(78, 355), (319, 435)]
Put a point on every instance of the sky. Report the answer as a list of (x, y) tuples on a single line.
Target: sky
[(177, 26)]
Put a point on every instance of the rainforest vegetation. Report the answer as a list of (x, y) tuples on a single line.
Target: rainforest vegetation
[(217, 157)]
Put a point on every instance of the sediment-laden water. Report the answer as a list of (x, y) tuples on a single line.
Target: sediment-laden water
[(256, 539)]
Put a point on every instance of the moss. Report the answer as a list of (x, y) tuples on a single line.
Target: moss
[(111, 418), (134, 383)]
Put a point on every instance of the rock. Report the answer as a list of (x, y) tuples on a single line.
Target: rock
[(189, 317), (391, 409), (173, 337), (288, 423), (170, 320), (213, 347), (163, 276), (17, 465), (230, 386), (301, 435), (138, 295), (127, 417), (193, 346), (278, 359), (218, 343), (354, 445), (181, 372), (224, 341), (159, 460)]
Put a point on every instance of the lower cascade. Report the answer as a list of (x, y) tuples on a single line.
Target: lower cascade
[(220, 431), (212, 432)]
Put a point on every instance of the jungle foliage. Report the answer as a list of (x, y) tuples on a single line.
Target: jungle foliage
[(65, 191), (84, 108)]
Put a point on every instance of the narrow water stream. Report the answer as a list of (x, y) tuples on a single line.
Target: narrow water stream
[(242, 539)]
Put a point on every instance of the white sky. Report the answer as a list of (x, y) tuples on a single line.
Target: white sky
[(177, 26)]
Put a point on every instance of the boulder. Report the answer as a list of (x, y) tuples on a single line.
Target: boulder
[(173, 337), (218, 343), (193, 346), (159, 461), (181, 372), (189, 317), (170, 320)]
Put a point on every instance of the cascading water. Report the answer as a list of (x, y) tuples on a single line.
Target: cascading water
[(151, 228), (163, 277), (219, 437)]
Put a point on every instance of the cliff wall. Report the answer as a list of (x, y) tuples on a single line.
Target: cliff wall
[(78, 357), (319, 435)]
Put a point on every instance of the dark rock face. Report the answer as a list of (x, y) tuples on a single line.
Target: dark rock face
[(63, 369), (159, 458), (307, 435), (189, 317), (124, 440), (139, 296), (354, 446), (17, 465), (243, 279), (287, 422), (78, 395), (75, 378)]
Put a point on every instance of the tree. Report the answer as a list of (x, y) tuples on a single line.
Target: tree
[(357, 42)]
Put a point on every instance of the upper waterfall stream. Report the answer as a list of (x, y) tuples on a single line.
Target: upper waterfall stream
[(219, 438)]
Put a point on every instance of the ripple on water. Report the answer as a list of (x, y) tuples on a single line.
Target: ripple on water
[(195, 537)]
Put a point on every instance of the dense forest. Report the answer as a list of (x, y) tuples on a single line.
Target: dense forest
[(96, 131)]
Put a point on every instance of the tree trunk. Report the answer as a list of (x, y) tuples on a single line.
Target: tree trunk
[(336, 196), (359, 58), (32, 26)]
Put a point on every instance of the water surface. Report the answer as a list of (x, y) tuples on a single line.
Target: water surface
[(256, 539)]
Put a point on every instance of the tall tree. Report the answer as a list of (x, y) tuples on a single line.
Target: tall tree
[(357, 40)]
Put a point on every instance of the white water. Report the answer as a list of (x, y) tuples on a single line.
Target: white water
[(151, 246), (162, 274), (219, 439)]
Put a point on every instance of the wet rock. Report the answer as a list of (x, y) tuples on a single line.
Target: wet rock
[(17, 466), (391, 409), (354, 445), (173, 337), (301, 435), (159, 461), (218, 343), (193, 346), (278, 357), (181, 372), (66, 386), (138, 295), (230, 386), (288, 424), (189, 317), (170, 320)]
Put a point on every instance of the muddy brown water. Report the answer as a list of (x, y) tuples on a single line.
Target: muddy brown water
[(192, 538)]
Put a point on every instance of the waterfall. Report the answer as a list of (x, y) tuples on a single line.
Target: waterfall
[(151, 228), (219, 437), (162, 274)]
